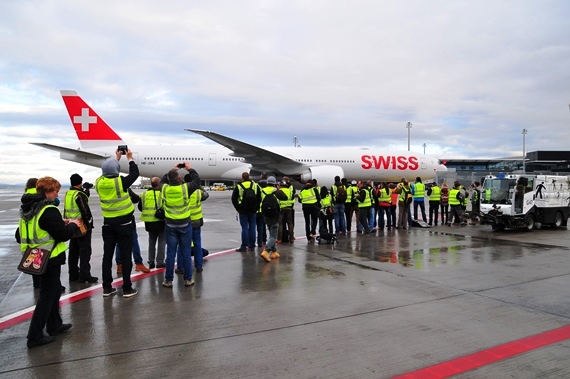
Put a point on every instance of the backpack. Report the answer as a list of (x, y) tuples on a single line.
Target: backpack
[(340, 197), (248, 199), (270, 206)]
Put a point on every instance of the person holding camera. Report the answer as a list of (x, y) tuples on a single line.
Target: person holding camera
[(151, 202), (176, 196), (77, 207), (118, 220)]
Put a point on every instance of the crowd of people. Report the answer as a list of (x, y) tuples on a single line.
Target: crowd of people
[(331, 211), (171, 210), (172, 213)]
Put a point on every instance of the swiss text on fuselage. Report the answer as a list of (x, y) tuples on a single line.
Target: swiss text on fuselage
[(387, 162)]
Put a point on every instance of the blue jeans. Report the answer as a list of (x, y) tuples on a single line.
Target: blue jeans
[(247, 223), (339, 218), (136, 250), (195, 248), (178, 237), (273, 228), (371, 217)]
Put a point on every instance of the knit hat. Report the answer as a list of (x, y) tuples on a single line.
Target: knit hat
[(271, 180), (75, 180), (111, 168)]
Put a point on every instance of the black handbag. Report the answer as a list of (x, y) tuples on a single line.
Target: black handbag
[(35, 260)]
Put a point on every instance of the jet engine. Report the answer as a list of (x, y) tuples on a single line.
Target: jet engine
[(324, 174)]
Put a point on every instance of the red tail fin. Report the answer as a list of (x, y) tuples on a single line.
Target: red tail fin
[(91, 129)]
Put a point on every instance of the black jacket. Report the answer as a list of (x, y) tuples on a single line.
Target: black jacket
[(82, 201), (51, 220)]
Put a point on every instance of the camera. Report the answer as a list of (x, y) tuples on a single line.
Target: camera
[(123, 149), (181, 165), (87, 185)]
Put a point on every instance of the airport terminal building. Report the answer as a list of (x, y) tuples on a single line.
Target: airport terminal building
[(541, 162)]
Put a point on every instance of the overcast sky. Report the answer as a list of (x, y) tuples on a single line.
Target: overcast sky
[(469, 75)]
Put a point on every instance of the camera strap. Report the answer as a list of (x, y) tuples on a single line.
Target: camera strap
[(155, 202)]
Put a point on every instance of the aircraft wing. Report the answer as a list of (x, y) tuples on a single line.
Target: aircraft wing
[(260, 159), (67, 150)]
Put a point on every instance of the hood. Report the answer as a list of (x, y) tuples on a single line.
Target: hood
[(32, 204), (111, 168)]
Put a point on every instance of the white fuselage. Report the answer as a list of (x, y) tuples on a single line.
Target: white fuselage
[(216, 162)]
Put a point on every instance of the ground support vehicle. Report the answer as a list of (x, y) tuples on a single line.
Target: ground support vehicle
[(525, 201)]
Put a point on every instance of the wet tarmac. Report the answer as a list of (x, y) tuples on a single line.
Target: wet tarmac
[(420, 303)]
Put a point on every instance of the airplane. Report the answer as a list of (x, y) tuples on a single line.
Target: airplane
[(233, 157)]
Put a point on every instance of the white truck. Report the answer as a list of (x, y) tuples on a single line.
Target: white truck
[(525, 201)]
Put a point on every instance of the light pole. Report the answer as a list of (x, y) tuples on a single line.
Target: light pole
[(409, 126), (424, 145), (524, 132)]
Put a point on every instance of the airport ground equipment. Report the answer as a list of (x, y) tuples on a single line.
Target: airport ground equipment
[(525, 201)]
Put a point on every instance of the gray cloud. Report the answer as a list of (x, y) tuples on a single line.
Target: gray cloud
[(468, 75)]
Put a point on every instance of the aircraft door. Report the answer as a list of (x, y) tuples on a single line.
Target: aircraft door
[(212, 159), (423, 164)]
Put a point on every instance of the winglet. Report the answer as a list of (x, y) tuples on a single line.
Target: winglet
[(91, 130)]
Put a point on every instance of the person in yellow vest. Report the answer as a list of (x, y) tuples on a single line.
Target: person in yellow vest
[(41, 225), (30, 188), (394, 196), (384, 199), (118, 220), (404, 191), (178, 229), (444, 203), (351, 206), (246, 199), (455, 200), (77, 207), (365, 201), (287, 214), (310, 198), (197, 220), (151, 200), (326, 215), (419, 192), (261, 231), (434, 193), (338, 192), (271, 196)]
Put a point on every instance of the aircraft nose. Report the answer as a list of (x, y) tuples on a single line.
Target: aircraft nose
[(441, 168)]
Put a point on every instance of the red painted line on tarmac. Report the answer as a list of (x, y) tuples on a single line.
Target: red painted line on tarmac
[(26, 314), (489, 356)]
